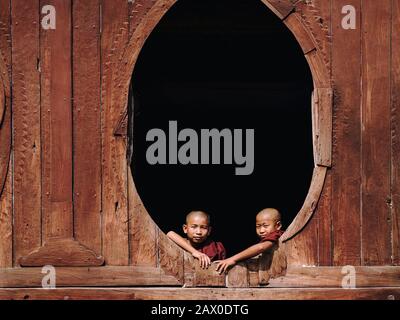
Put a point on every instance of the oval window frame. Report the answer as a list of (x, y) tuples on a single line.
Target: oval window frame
[(322, 98)]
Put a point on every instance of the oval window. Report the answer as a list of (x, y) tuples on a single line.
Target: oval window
[(225, 64)]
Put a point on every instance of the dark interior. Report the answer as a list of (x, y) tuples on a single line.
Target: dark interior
[(224, 64)]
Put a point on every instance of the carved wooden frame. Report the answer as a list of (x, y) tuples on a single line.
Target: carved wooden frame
[(5, 122), (321, 100)]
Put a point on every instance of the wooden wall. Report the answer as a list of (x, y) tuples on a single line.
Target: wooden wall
[(67, 176)]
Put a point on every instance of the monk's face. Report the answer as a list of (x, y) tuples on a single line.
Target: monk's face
[(266, 223), (197, 229)]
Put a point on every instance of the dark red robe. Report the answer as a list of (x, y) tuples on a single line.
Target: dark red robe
[(214, 250)]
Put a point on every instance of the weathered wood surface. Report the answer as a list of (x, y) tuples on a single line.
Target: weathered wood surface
[(309, 205), (86, 123), (26, 126), (395, 116), (201, 294), (5, 138), (323, 218), (62, 252), (346, 174), (170, 257), (360, 195), (114, 174), (238, 276), (56, 124), (2, 102), (375, 140), (333, 276), (142, 230), (207, 277), (297, 27), (322, 126), (282, 8), (88, 276), (303, 277)]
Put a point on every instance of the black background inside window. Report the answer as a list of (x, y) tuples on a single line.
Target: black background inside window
[(224, 64)]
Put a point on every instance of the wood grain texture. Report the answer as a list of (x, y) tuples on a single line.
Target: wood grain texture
[(302, 277), (56, 121), (375, 143), (2, 101), (5, 136), (200, 294), (303, 37), (323, 216), (237, 276), (87, 276), (346, 173), (296, 277), (322, 126), (86, 123), (62, 252), (137, 10), (142, 230), (170, 257), (26, 126), (6, 217), (282, 8), (309, 205), (395, 127), (319, 14), (189, 270), (207, 277), (301, 237), (114, 165), (6, 223)]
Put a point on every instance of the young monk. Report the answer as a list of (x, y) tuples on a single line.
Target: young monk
[(197, 229), (268, 228)]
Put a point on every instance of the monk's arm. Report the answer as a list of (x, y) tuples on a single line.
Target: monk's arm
[(203, 258), (252, 251), (181, 242)]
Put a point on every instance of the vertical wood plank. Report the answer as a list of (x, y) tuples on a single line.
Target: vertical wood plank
[(142, 230), (26, 126), (114, 175), (6, 247), (395, 132), (376, 228), (346, 173), (323, 212), (303, 248), (86, 123), (323, 216), (56, 94)]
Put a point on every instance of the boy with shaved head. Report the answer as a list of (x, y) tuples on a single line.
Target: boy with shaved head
[(268, 228), (197, 229)]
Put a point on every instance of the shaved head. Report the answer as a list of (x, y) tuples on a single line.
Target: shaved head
[(269, 213), (201, 214)]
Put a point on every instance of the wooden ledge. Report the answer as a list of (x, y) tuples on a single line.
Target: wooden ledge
[(157, 293)]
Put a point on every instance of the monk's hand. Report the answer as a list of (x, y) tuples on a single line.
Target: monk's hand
[(224, 265), (204, 260)]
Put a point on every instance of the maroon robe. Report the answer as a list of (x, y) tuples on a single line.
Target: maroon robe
[(214, 250)]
